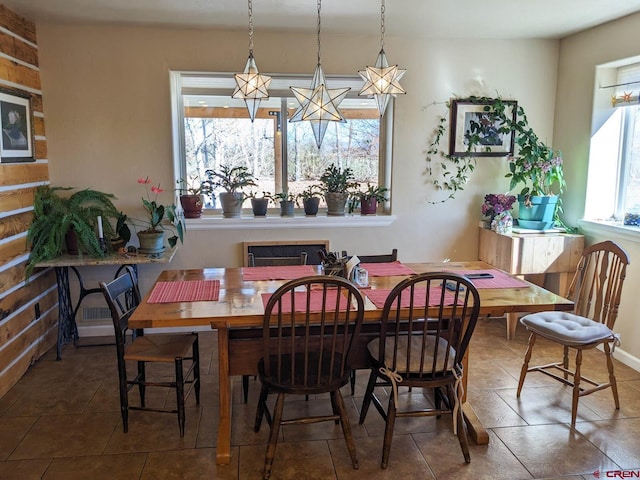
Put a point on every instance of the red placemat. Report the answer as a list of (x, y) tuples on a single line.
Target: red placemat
[(386, 269), (379, 295), (185, 291), (499, 280), (300, 299), (280, 272)]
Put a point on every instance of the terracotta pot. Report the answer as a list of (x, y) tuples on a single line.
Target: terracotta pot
[(368, 206), (192, 205), (71, 240)]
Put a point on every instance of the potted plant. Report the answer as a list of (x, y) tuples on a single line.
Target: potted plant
[(538, 168), (122, 233), (151, 237), (259, 205), (233, 180), (368, 199), (192, 193), (336, 186), (60, 221), (310, 197), (287, 202)]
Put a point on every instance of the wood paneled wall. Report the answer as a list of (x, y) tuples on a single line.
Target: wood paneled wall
[(28, 311)]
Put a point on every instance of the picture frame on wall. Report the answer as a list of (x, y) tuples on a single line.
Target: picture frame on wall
[(16, 138), (472, 118)]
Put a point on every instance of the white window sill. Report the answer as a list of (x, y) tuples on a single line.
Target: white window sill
[(610, 229), (217, 222)]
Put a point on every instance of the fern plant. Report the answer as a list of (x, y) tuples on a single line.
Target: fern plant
[(55, 214)]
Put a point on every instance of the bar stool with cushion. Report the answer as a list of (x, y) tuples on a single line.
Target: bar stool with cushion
[(309, 327), (123, 296), (413, 352), (596, 289)]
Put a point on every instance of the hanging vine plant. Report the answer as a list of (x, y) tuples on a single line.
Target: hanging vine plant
[(449, 171)]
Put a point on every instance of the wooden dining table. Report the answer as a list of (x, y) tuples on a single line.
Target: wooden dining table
[(237, 314)]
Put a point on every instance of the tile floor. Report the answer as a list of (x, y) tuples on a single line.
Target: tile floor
[(62, 421)]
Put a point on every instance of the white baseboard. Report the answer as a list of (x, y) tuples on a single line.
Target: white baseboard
[(629, 360)]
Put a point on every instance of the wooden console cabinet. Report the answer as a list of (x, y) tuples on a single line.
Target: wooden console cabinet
[(546, 259)]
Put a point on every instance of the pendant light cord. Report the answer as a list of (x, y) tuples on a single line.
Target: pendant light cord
[(250, 28), (319, 5), (382, 26)]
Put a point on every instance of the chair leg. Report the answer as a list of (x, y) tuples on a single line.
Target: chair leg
[(565, 361), (576, 388), (196, 368), (141, 385), (264, 392), (352, 381), (334, 407), (525, 364), (336, 398), (388, 432), (245, 388), (180, 395), (463, 439), (273, 437), (612, 376), (124, 397), (367, 396)]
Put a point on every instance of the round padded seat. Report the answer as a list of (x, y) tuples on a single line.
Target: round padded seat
[(566, 328)]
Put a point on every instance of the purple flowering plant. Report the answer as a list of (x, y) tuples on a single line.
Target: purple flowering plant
[(495, 203)]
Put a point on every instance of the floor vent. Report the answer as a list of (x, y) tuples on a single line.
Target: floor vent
[(95, 313)]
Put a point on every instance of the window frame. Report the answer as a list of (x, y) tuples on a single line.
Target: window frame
[(177, 111)]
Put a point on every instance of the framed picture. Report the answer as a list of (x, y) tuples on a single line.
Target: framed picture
[(471, 120), (16, 142)]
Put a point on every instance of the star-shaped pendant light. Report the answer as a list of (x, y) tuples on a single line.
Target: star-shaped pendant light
[(251, 84), (382, 81), (318, 104)]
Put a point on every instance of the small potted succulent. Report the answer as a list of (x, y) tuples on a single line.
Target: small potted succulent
[(233, 180), (287, 202), (310, 197), (337, 185), (192, 193), (368, 199), (259, 205)]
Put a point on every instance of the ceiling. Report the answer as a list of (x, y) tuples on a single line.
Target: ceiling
[(422, 18)]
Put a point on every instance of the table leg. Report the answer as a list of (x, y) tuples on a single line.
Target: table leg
[(476, 430), (223, 447), (512, 323), (67, 329)]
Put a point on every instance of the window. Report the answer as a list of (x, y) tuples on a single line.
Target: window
[(212, 129), (613, 187)]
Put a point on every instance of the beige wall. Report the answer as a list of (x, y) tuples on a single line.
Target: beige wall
[(106, 93), (579, 56), (107, 101)]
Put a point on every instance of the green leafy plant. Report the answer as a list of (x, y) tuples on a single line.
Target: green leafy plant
[(335, 180), (55, 214), (377, 192), (231, 179), (284, 197), (534, 164), (312, 191), (156, 214), (194, 186)]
